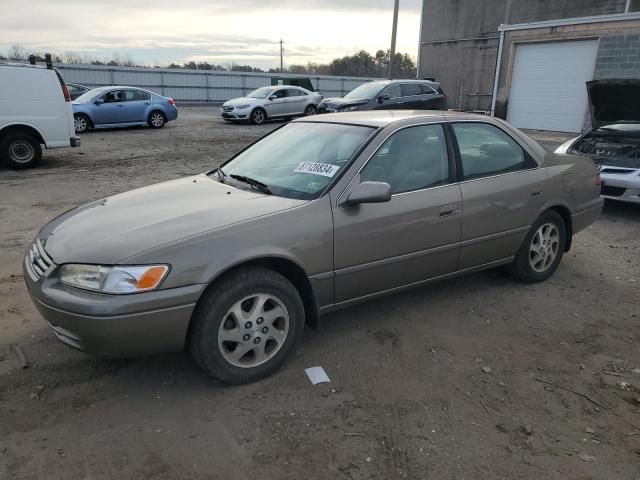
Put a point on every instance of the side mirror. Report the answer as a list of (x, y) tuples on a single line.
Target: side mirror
[(383, 98), (99, 101), (272, 97), (370, 192)]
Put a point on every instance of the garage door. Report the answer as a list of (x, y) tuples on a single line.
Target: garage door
[(548, 89)]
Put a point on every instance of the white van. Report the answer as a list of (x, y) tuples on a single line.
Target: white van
[(35, 110)]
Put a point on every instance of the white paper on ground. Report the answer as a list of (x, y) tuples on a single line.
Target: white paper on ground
[(317, 375)]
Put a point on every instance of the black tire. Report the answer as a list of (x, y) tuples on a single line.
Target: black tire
[(258, 116), (156, 119), (20, 150), (522, 268), (310, 110), (81, 123), (214, 308)]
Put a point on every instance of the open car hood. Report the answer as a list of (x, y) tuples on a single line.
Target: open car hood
[(614, 101)]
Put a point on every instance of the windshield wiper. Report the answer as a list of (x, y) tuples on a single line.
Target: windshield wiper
[(254, 183), (221, 174)]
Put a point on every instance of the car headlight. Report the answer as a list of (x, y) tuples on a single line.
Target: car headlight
[(350, 108), (119, 279), (241, 107)]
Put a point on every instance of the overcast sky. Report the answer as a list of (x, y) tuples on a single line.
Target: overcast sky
[(222, 31)]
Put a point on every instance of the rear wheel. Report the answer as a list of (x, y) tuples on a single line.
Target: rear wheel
[(258, 116), (81, 123), (156, 119), (542, 249), (310, 110), (20, 150), (247, 325)]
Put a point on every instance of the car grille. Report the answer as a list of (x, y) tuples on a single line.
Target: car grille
[(612, 191), (227, 109), (37, 261)]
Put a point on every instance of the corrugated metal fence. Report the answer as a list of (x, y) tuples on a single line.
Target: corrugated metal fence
[(196, 85)]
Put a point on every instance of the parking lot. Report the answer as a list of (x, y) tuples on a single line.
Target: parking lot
[(476, 377)]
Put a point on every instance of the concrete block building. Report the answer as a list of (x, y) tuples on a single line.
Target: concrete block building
[(528, 60)]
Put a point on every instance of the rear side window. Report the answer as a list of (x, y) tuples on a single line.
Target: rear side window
[(293, 92), (427, 90), (485, 150), (413, 158), (136, 95), (409, 89)]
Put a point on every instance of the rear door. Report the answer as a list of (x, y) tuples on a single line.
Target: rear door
[(136, 105), (412, 96), (414, 236), (112, 110), (295, 101), (503, 191)]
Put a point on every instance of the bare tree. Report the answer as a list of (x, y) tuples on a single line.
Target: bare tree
[(18, 52)]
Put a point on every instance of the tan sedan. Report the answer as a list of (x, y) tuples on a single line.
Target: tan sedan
[(320, 214)]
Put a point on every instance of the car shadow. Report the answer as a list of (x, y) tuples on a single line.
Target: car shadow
[(621, 211)]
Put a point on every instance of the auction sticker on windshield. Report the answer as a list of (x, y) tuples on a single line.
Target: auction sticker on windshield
[(324, 169)]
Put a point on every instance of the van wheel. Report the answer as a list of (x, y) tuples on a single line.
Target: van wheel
[(542, 249), (246, 325), (258, 116), (156, 119), (81, 123), (20, 150)]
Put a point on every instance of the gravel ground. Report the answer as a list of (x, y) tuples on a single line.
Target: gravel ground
[(446, 381)]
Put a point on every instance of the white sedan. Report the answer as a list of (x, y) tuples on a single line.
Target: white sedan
[(271, 102)]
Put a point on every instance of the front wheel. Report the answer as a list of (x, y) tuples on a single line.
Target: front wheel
[(542, 249), (20, 151), (156, 120), (310, 110), (246, 325), (258, 116)]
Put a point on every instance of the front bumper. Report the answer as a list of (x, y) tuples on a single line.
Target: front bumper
[(235, 114), (113, 325), (621, 186)]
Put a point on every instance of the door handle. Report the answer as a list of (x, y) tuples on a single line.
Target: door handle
[(120, 105), (448, 210), (536, 193)]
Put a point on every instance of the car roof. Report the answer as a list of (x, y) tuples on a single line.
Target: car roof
[(403, 80), (382, 118)]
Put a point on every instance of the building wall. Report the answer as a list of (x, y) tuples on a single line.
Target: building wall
[(459, 39), (618, 53)]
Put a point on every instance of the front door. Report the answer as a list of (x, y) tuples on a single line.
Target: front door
[(136, 104), (390, 98), (503, 191), (276, 105), (112, 110), (414, 236)]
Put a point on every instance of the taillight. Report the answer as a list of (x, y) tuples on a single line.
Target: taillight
[(598, 180), (65, 90), (171, 101)]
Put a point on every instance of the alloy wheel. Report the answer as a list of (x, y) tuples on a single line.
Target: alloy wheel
[(544, 247), (258, 117), (253, 330), (157, 119), (80, 124)]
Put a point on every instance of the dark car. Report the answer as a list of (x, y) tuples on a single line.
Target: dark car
[(75, 90), (613, 142), (389, 95)]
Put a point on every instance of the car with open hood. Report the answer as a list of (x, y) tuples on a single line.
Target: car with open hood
[(389, 95), (613, 142), (321, 213)]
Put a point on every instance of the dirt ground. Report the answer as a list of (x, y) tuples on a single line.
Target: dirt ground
[(443, 382)]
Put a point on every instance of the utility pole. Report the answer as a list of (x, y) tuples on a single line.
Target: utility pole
[(394, 31), (281, 56)]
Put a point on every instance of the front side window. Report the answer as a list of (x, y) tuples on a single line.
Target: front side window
[(300, 159), (279, 93), (485, 150), (114, 96), (394, 91), (413, 158)]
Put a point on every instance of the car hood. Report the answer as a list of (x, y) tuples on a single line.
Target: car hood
[(240, 101), (339, 102), (111, 230), (614, 101)]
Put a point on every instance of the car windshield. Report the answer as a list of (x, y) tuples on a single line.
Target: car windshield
[(298, 160), (262, 92), (366, 91)]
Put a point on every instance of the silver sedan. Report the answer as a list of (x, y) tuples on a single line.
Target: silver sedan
[(272, 102)]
